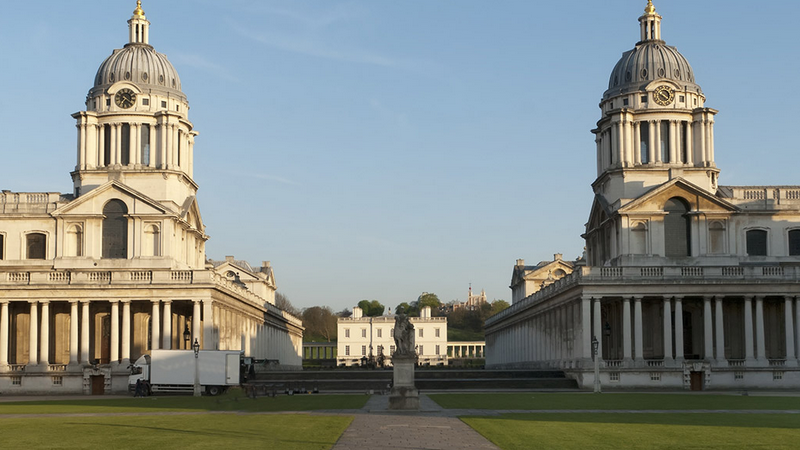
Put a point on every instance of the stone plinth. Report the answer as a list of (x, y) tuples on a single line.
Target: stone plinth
[(404, 395)]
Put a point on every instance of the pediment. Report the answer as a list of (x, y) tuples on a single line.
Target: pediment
[(698, 199), (190, 212), (93, 202)]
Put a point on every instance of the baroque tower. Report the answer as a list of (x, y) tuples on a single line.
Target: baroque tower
[(135, 129), (654, 125)]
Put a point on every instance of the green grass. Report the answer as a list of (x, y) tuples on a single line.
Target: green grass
[(233, 401), (639, 431), (612, 401), (205, 431)]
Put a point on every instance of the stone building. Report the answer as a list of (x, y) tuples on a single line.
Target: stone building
[(687, 284), (359, 337), (93, 279), (528, 279)]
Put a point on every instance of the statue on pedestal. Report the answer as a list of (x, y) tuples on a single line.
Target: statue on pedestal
[(403, 336)]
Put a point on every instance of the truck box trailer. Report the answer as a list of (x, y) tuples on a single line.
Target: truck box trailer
[(174, 370)]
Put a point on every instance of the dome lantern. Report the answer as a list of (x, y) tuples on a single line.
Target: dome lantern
[(650, 23), (138, 26)]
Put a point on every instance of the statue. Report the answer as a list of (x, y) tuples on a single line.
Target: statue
[(403, 336)]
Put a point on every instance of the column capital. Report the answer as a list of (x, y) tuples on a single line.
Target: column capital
[(4, 302), (125, 301), (637, 298), (759, 298), (115, 300), (155, 301), (167, 302), (33, 302)]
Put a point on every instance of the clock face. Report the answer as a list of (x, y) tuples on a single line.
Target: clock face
[(664, 95), (125, 98)]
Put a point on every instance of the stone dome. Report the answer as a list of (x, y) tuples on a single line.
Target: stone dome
[(649, 61), (142, 65)]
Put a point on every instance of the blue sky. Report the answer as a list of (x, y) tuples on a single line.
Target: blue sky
[(376, 149)]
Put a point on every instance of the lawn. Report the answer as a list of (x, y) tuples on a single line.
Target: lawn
[(201, 431), (233, 401), (613, 401), (639, 431)]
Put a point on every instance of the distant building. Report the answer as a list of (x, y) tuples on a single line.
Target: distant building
[(528, 279), (473, 301), (360, 337)]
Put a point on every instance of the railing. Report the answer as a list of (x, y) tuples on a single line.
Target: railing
[(100, 277), (772, 271), (650, 272), (16, 367), (57, 367), (734, 271), (691, 271), (59, 277), (141, 276), (181, 275), (736, 363), (654, 362), (777, 362), (612, 363), (19, 277)]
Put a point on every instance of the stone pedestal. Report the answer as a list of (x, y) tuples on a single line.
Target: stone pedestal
[(404, 396)]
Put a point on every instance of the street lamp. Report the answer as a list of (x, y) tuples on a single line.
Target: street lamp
[(187, 337), (196, 348), (595, 345)]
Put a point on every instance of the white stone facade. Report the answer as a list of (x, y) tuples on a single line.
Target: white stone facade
[(685, 283), (359, 337), (90, 281)]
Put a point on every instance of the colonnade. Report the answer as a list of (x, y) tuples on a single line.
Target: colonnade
[(460, 350)]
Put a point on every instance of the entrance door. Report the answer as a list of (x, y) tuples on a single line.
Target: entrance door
[(696, 381), (98, 384)]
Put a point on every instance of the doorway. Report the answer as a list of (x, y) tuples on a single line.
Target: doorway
[(696, 381), (98, 384)]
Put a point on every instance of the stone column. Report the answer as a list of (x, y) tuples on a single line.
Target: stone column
[(791, 357), (638, 335), (708, 333), (656, 139), (761, 347), (101, 145), (637, 144), (74, 326), (114, 331), (209, 341), (195, 322), (626, 330), (797, 325), (678, 328), (155, 325), (720, 326), (4, 333), (85, 332), (748, 331), (673, 145), (689, 145), (651, 145), (33, 350), (167, 338), (125, 352), (586, 329), (44, 345), (668, 360), (598, 328)]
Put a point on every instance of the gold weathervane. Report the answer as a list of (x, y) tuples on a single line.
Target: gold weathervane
[(138, 11), (649, 9)]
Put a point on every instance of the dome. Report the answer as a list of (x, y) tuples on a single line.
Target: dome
[(649, 61), (142, 65)]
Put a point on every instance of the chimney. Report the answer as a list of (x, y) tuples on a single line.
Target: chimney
[(557, 257), (229, 259), (520, 262), (357, 313)]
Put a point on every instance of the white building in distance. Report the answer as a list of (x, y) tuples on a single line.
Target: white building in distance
[(359, 337), (92, 280), (687, 284)]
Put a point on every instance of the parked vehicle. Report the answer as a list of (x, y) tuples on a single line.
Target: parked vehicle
[(174, 371)]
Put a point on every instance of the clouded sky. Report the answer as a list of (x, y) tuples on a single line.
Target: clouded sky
[(377, 150)]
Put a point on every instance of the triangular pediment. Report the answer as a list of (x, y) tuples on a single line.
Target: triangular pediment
[(699, 199), (190, 212), (92, 203), (599, 213)]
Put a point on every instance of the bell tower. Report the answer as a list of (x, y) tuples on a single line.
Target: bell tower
[(135, 128), (654, 125)]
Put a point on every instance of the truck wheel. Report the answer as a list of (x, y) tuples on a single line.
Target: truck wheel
[(213, 390)]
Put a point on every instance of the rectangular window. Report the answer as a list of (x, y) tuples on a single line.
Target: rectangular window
[(421, 352), (145, 101), (624, 102), (756, 243), (363, 332), (436, 332), (391, 349), (380, 332), (163, 104), (644, 99), (36, 246), (777, 376), (106, 145), (420, 332), (125, 152), (738, 375), (145, 144), (655, 376), (644, 133), (665, 141), (58, 381), (794, 243), (614, 377), (437, 350), (346, 350), (391, 332), (16, 381), (363, 350), (347, 332)]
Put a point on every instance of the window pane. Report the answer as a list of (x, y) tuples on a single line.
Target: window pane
[(676, 228), (115, 230), (757, 243), (794, 243), (36, 246)]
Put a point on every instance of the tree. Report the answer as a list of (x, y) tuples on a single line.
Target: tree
[(428, 299), (403, 308), (320, 324), (364, 305), (372, 308), (282, 302), (499, 305), (345, 313)]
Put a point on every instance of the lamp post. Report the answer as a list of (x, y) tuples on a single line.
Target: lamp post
[(595, 345), (196, 348), (187, 337)]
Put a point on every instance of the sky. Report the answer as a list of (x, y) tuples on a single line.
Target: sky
[(378, 150)]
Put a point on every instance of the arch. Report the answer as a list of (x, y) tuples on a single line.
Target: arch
[(74, 241), (716, 237), (677, 228), (756, 242), (151, 244), (115, 230), (639, 238), (794, 243), (36, 246)]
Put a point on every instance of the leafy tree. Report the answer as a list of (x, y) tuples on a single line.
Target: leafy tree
[(376, 308), (403, 308), (320, 324), (499, 305), (282, 302), (345, 313), (428, 299), (364, 305)]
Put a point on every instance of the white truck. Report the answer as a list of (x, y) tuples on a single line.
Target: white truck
[(174, 370)]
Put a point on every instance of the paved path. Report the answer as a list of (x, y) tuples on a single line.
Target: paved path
[(375, 427)]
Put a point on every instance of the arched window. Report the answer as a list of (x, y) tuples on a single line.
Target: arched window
[(756, 242), (639, 239), (794, 243), (151, 245), (74, 241), (36, 246), (115, 230), (676, 228), (716, 237)]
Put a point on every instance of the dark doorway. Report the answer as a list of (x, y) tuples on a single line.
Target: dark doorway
[(98, 384), (696, 381), (105, 340)]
